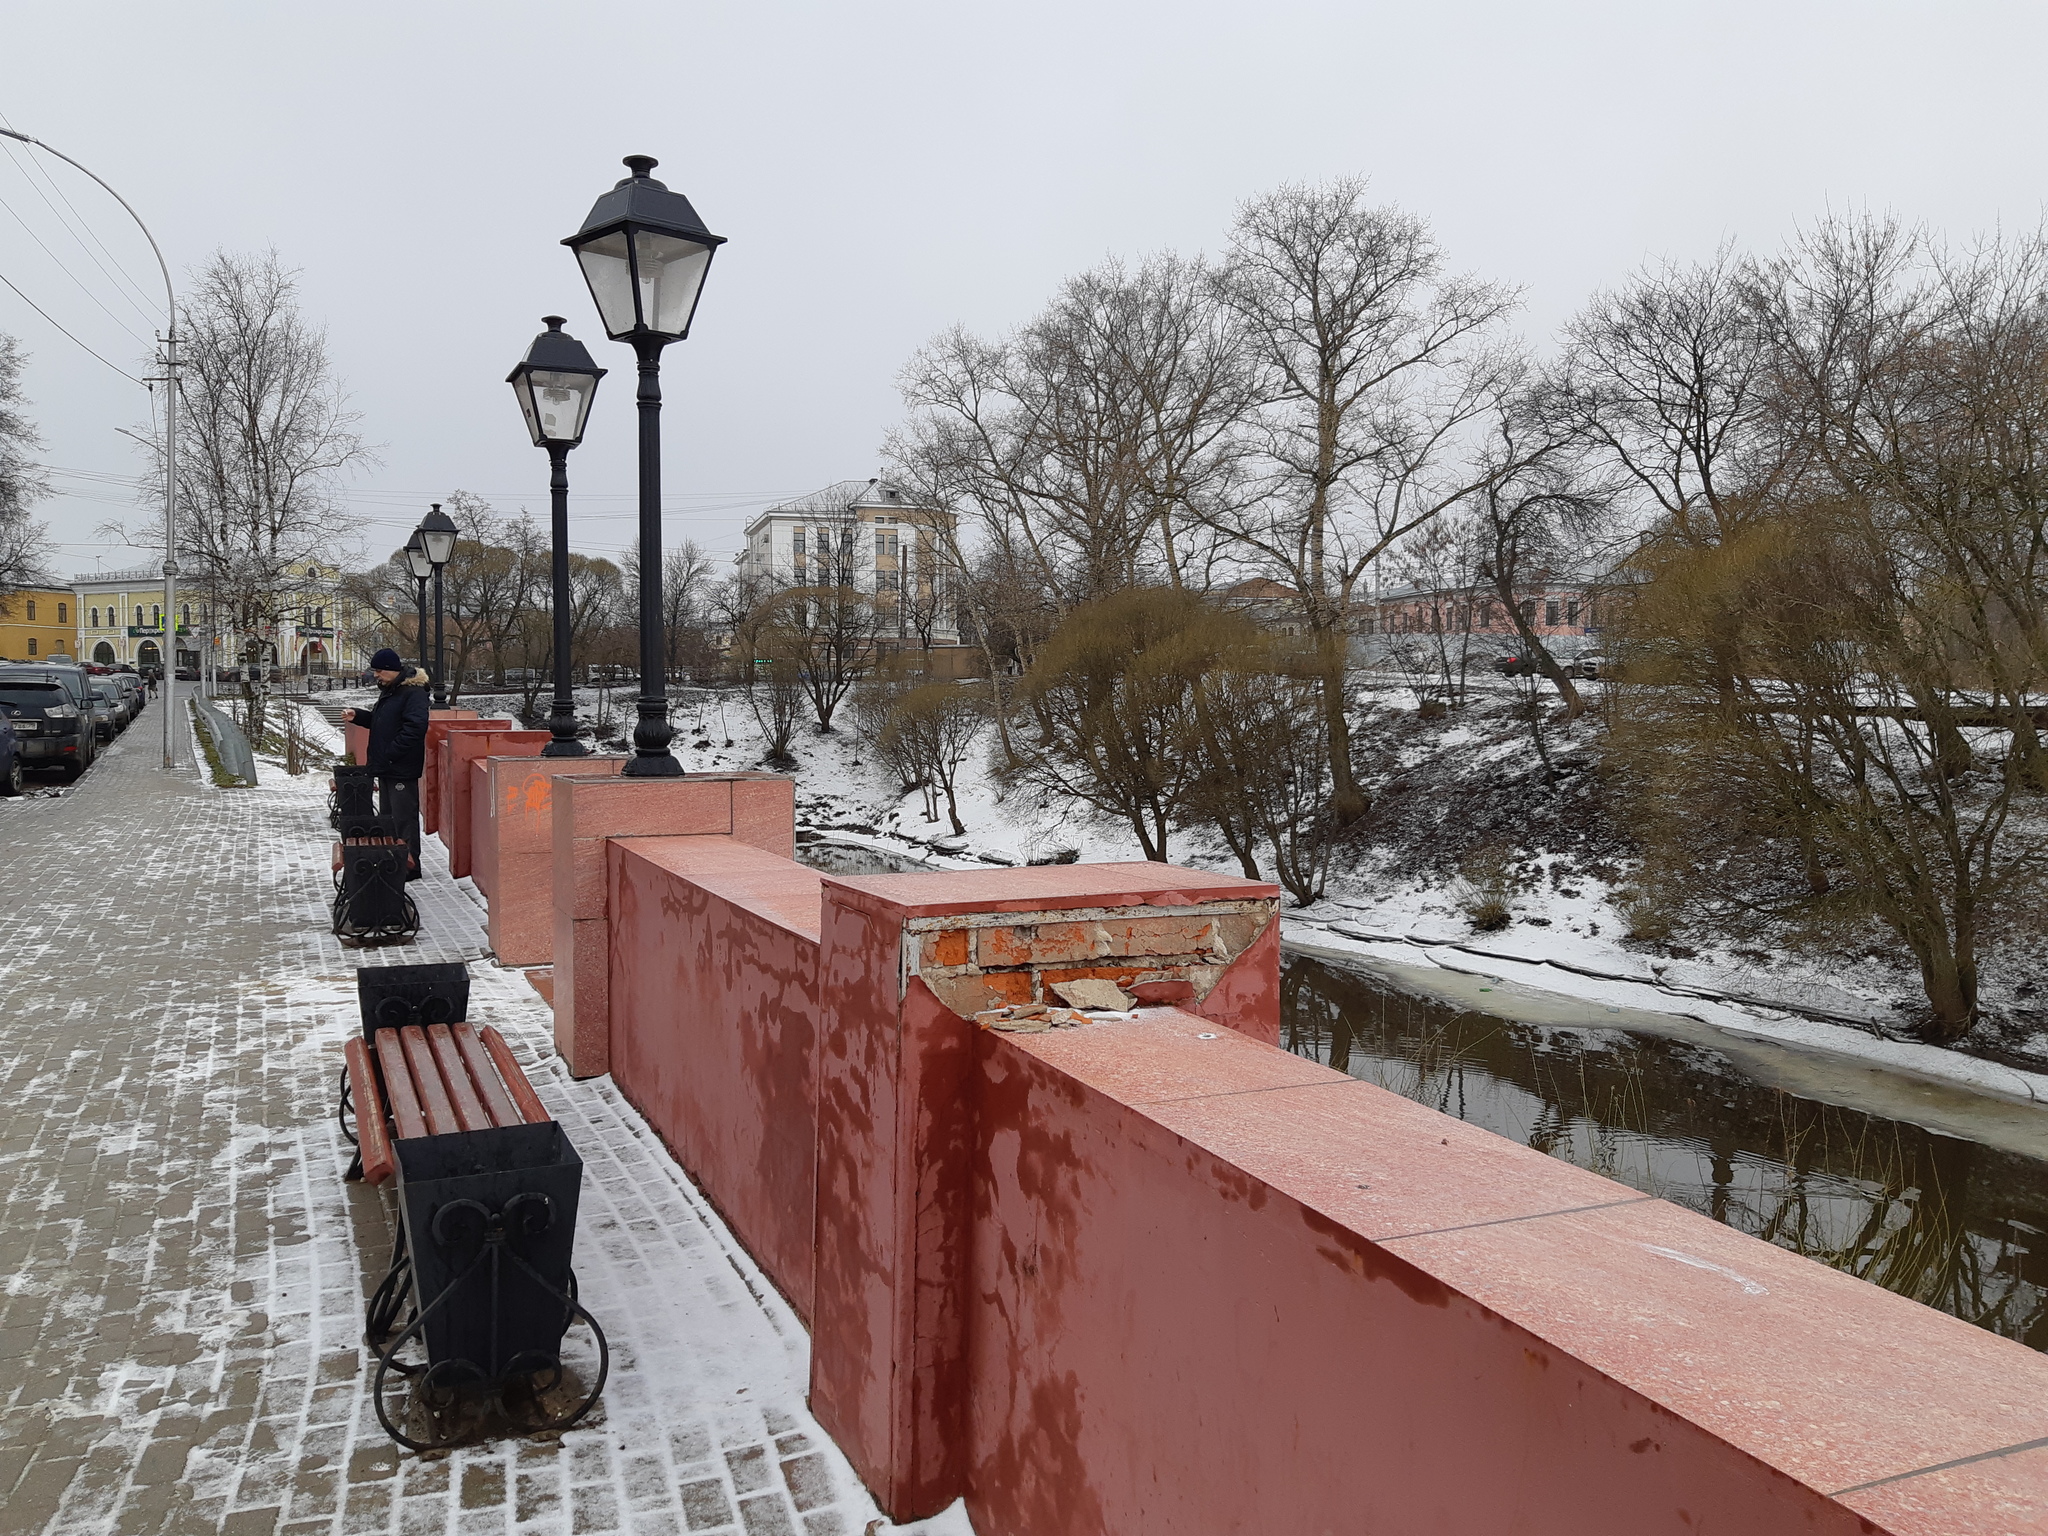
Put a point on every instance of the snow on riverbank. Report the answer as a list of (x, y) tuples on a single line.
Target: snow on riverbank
[(1565, 936)]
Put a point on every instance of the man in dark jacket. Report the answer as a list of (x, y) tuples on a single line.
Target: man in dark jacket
[(398, 744)]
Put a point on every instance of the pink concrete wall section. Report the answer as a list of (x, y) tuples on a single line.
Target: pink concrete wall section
[(439, 722), (895, 1129), (518, 823), (483, 847), (458, 750), (587, 812), (713, 988), (1207, 1273)]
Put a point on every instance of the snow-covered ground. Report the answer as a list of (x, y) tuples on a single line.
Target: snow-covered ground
[(1565, 936)]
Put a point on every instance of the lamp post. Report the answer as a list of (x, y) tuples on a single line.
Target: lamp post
[(555, 383), (416, 561), (644, 253), (437, 532)]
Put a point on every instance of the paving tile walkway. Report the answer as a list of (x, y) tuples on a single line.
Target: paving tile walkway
[(182, 1268)]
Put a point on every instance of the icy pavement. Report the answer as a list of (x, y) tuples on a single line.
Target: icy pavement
[(184, 1269)]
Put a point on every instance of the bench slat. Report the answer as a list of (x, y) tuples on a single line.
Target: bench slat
[(406, 1119), (529, 1103), (470, 1113), (483, 1072), (432, 1091), (372, 1139)]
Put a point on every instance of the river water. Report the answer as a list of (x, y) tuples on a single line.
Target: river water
[(1950, 1222)]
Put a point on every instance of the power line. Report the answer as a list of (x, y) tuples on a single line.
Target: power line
[(123, 324), (119, 274), (32, 304)]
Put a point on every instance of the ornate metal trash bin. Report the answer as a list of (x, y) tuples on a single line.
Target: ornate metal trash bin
[(354, 794)]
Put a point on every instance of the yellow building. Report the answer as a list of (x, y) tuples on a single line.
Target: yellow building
[(36, 623), (119, 619)]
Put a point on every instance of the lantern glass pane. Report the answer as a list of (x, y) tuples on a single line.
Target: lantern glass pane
[(608, 271), (417, 562), (522, 386), (671, 272), (561, 403), (440, 544)]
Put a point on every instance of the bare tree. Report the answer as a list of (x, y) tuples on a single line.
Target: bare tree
[(267, 432), (685, 598), (24, 545), (931, 731), (1375, 370)]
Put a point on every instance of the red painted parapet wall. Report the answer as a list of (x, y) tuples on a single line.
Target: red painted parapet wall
[(1157, 1275)]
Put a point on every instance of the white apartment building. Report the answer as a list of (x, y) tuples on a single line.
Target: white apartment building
[(872, 531)]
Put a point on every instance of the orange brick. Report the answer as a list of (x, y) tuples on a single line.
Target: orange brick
[(1122, 975), (1068, 942), (1006, 987), (1160, 936), (1003, 946), (948, 948)]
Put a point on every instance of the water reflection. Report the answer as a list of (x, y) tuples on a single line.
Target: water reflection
[(1950, 1223)]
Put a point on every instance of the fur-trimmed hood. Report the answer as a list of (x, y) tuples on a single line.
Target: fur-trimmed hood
[(415, 677)]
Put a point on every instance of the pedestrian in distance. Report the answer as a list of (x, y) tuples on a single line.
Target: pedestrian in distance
[(397, 753)]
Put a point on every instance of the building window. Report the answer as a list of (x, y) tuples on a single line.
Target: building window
[(63, 613), (885, 581), (31, 610), (95, 618), (1528, 610), (138, 615), (1571, 611), (885, 546), (798, 536), (1550, 612), (187, 619), (31, 638), (156, 614)]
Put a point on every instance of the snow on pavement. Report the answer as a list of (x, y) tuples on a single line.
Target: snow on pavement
[(185, 1269)]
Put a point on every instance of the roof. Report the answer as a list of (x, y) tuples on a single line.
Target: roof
[(147, 574), (845, 496)]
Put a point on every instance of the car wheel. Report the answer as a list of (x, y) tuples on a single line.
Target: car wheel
[(11, 784)]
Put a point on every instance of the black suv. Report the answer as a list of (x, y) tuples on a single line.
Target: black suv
[(51, 711)]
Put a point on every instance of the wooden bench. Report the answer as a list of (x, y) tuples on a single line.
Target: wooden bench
[(468, 1322), (371, 902), (431, 1081)]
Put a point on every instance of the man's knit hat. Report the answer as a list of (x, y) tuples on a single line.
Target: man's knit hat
[(386, 660)]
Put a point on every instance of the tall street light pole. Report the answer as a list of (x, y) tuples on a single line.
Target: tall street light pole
[(421, 567), (645, 253), (170, 380), (555, 383), (437, 532)]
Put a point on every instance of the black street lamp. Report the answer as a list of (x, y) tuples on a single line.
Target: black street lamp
[(437, 532), (416, 561), (555, 383), (644, 253)]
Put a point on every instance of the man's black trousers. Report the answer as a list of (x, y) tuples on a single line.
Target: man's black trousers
[(399, 804)]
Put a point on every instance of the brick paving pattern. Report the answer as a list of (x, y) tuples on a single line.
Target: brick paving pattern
[(183, 1270)]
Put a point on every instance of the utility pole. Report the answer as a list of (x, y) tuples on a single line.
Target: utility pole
[(170, 646), (171, 543)]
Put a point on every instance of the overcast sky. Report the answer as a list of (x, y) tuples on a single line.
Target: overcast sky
[(883, 171)]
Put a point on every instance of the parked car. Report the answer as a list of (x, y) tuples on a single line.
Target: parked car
[(127, 698), (10, 757), (1588, 666), (1514, 664), (53, 721), (109, 715), (134, 692)]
